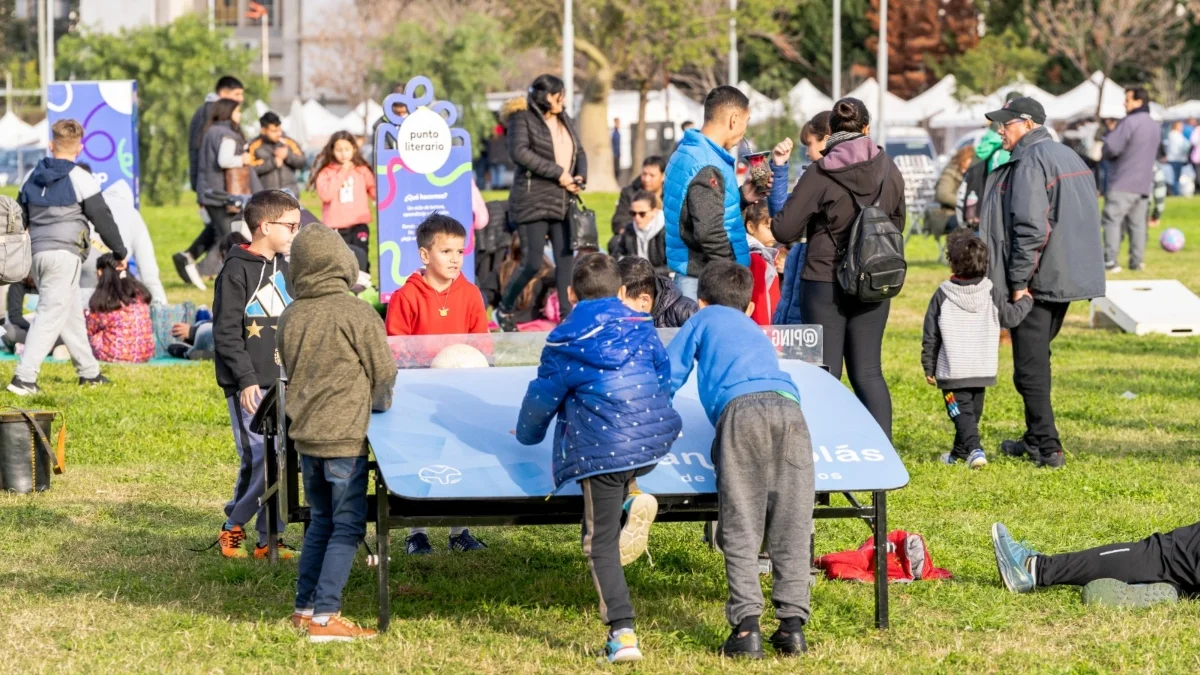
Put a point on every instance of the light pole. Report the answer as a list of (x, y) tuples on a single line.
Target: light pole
[(837, 49), (881, 72), (49, 42), (568, 55), (733, 51)]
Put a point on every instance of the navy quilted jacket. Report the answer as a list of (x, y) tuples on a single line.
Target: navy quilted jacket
[(606, 375)]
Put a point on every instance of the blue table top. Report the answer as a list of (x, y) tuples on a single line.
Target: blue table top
[(447, 436)]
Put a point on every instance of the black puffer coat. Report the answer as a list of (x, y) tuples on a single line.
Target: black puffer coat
[(536, 194)]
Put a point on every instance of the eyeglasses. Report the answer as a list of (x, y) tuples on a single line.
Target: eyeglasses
[(639, 214), (292, 227)]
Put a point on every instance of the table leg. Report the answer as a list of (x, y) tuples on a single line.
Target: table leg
[(881, 580), (382, 525)]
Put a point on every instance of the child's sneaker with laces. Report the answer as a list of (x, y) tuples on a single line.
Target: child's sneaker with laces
[(950, 459), (301, 619), (640, 512), (231, 540), (285, 552), (622, 647), (463, 541), (417, 544), (338, 629), (977, 459)]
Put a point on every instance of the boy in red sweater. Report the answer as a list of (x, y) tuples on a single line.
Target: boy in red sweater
[(438, 301), (762, 262)]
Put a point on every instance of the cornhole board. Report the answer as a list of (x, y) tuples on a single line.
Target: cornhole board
[(1163, 306), (444, 454)]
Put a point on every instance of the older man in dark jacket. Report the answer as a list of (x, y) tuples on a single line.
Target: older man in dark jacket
[(1041, 221)]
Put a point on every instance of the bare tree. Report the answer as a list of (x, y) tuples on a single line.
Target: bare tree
[(1104, 35), (1167, 83)]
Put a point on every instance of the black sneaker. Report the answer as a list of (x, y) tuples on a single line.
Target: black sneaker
[(22, 388), (417, 544), (185, 265), (1055, 460), (1017, 449), (505, 320), (788, 644), (749, 646), (465, 542), (94, 381), (177, 350)]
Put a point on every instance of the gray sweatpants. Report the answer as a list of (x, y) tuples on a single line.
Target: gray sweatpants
[(762, 454), (59, 314), (1125, 212), (252, 474)]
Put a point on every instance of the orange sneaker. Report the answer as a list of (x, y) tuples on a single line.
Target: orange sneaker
[(285, 552), (301, 621), (338, 629), (231, 542)]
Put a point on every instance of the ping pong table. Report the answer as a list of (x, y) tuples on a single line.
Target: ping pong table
[(444, 454)]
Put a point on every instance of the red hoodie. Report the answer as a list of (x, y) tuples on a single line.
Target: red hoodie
[(417, 309), (765, 297)]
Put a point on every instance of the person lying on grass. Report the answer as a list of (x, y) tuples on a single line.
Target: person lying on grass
[(1130, 574)]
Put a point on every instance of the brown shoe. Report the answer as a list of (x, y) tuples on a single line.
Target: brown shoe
[(301, 621), (231, 542), (338, 629)]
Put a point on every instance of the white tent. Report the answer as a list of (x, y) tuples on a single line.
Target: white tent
[(806, 101), (293, 124), (14, 132), (899, 114), (1081, 101), (362, 117), (935, 99), (762, 107), (664, 105), (1033, 91), (41, 134), (1183, 111), (967, 114)]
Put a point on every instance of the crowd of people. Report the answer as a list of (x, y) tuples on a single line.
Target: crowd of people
[(691, 247)]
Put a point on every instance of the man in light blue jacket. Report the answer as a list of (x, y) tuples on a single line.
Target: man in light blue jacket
[(1130, 149)]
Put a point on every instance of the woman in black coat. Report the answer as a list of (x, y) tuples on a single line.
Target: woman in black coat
[(551, 169)]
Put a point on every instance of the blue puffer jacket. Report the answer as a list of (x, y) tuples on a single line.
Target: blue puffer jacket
[(787, 312), (695, 152), (607, 377)]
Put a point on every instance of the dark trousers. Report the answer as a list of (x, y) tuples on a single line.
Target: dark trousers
[(251, 480), (358, 238), (1031, 373), (1173, 558), (533, 239), (965, 408), (336, 490), (762, 454), (603, 507), (207, 242), (853, 331)]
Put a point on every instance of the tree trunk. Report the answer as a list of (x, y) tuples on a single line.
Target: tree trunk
[(593, 120), (637, 144), (1100, 97)]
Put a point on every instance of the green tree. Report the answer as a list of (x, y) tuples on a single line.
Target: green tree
[(996, 61), (175, 67), (464, 61)]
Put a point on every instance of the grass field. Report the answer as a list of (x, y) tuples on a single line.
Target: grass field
[(96, 575)]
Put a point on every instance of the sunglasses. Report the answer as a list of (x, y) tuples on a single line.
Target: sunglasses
[(292, 227), (639, 214)]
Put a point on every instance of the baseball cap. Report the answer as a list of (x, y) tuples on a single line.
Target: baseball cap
[(1019, 108)]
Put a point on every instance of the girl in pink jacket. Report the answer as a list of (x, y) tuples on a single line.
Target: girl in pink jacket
[(346, 186)]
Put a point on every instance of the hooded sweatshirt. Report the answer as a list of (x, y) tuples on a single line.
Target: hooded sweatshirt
[(249, 295), (962, 332), (417, 309), (334, 350), (671, 309), (58, 200), (825, 202), (766, 281)]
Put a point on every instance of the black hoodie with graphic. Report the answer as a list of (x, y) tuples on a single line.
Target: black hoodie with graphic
[(250, 294)]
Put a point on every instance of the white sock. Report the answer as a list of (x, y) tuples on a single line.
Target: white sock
[(321, 619), (455, 531), (418, 530), (1031, 564), (305, 612)]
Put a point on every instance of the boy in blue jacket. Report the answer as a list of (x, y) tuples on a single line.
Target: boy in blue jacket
[(762, 454), (605, 375)]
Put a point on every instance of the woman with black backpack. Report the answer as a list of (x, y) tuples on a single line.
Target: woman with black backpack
[(551, 170), (854, 177)]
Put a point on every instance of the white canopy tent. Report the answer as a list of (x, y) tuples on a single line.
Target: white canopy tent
[(762, 107), (663, 105), (1183, 111), (15, 133), (362, 117), (293, 124), (805, 101), (1081, 101), (935, 99), (899, 113)]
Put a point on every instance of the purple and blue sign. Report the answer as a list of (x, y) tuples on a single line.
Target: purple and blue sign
[(108, 112), (422, 167)]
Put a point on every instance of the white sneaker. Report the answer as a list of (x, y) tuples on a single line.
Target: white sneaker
[(640, 512), (1115, 269)]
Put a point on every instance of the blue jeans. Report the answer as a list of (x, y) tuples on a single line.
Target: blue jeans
[(337, 497), (203, 341), (689, 287)]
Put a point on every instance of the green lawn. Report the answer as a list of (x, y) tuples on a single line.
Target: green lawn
[(96, 574)]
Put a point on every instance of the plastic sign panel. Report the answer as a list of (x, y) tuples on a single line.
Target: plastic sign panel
[(108, 111), (422, 167)]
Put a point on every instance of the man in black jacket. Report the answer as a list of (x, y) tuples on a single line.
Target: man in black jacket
[(654, 170), (277, 158), (1043, 236), (227, 87)]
